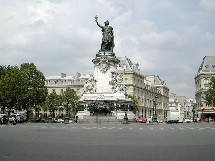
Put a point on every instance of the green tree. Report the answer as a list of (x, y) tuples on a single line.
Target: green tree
[(12, 83), (22, 87), (135, 103), (53, 102), (210, 93), (36, 90), (70, 100)]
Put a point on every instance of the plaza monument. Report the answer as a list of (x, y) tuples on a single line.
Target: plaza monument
[(104, 92)]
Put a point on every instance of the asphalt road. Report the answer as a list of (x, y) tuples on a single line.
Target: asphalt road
[(116, 142)]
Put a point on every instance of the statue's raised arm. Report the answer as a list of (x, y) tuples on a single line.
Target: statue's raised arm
[(96, 18), (108, 38)]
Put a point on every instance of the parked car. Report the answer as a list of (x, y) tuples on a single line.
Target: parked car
[(142, 120), (188, 120), (3, 119)]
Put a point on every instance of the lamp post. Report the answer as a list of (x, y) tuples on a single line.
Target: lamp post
[(154, 117)]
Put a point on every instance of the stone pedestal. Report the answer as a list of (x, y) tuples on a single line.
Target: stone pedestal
[(105, 64)]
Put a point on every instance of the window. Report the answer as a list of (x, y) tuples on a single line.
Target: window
[(206, 82)]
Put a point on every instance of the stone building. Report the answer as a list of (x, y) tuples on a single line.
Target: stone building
[(150, 91), (205, 72)]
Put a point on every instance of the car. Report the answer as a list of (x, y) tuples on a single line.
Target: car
[(188, 120), (142, 120), (3, 119)]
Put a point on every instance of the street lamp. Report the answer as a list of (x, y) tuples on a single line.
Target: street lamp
[(154, 117)]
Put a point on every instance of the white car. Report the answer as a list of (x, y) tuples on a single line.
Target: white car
[(188, 120)]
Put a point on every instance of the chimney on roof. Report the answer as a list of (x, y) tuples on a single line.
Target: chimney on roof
[(63, 75)]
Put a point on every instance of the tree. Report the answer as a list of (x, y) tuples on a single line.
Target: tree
[(135, 103), (22, 87), (12, 83), (210, 93), (70, 100), (53, 102), (36, 90)]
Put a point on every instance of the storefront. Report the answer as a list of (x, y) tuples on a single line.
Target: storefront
[(207, 114)]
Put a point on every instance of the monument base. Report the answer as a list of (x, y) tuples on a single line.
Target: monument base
[(105, 104)]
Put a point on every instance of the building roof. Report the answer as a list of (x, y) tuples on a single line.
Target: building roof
[(208, 63)]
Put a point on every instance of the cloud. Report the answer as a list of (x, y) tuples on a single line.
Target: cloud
[(207, 4), (168, 38)]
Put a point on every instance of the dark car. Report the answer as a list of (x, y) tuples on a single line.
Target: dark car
[(3, 119)]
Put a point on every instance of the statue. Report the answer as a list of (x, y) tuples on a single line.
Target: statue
[(108, 38)]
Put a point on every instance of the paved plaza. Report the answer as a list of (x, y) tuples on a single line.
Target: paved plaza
[(107, 142)]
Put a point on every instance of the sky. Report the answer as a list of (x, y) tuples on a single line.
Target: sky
[(168, 38)]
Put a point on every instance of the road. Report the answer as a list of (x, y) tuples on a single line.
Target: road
[(116, 142)]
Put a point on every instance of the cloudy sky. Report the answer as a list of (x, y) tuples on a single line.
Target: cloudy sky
[(168, 38)]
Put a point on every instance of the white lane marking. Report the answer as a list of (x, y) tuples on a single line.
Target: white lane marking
[(201, 128), (171, 128), (111, 128), (88, 128), (191, 128), (181, 128)]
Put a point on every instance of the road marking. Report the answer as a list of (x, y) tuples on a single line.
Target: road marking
[(43, 127), (88, 128), (24, 126), (54, 127), (151, 128), (131, 128), (111, 128), (161, 128), (74, 127), (181, 128), (191, 128), (201, 128), (141, 128), (171, 128)]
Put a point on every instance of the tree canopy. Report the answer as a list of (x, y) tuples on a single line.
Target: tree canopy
[(210, 93), (21, 87), (70, 100)]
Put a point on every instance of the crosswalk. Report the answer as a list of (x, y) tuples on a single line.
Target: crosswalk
[(93, 127)]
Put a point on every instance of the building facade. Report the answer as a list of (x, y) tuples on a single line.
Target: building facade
[(150, 91), (205, 72)]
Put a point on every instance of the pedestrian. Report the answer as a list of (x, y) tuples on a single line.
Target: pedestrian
[(13, 120)]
